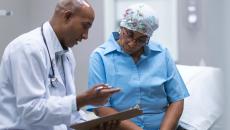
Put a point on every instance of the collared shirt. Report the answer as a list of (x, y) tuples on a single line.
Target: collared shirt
[(151, 84), (28, 101)]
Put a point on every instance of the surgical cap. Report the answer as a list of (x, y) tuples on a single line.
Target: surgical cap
[(140, 18)]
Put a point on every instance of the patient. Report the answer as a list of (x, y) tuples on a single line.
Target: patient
[(144, 71)]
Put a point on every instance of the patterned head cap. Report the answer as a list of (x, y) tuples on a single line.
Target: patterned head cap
[(140, 18)]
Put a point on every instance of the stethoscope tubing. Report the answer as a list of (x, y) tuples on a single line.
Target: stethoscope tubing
[(52, 76)]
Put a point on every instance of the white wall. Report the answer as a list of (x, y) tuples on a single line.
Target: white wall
[(83, 50), (226, 58), (40, 11), (29, 14), (12, 26), (205, 42)]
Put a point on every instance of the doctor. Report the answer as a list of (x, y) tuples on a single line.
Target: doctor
[(37, 90)]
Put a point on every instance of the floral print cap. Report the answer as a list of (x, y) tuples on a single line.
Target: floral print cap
[(140, 18)]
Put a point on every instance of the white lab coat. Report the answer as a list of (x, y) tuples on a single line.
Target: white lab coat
[(27, 101)]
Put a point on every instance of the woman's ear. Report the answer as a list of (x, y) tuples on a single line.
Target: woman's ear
[(121, 32)]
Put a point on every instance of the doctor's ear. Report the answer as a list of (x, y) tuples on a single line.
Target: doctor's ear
[(68, 14)]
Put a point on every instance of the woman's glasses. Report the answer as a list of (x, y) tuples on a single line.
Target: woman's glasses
[(140, 40)]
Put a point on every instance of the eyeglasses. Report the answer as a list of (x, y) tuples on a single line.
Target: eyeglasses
[(141, 40)]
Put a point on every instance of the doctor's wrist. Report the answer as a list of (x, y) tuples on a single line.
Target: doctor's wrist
[(81, 101)]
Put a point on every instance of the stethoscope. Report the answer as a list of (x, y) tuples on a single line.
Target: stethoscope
[(52, 76)]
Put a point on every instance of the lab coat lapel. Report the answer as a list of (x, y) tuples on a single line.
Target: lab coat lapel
[(53, 45), (70, 87)]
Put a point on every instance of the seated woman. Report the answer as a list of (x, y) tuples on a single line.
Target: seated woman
[(144, 71)]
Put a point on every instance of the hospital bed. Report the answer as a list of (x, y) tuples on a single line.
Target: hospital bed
[(203, 108)]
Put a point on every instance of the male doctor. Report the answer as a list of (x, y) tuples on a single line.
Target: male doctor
[(37, 90)]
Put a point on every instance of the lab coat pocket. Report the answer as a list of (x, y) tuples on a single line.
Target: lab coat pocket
[(56, 88)]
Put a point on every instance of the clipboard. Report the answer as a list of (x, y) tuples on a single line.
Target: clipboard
[(117, 116)]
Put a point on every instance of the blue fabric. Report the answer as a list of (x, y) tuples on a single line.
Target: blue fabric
[(152, 83)]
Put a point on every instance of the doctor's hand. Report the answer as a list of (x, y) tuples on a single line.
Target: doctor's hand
[(97, 95)]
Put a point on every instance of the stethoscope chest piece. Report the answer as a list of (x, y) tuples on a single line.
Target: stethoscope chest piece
[(54, 81)]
